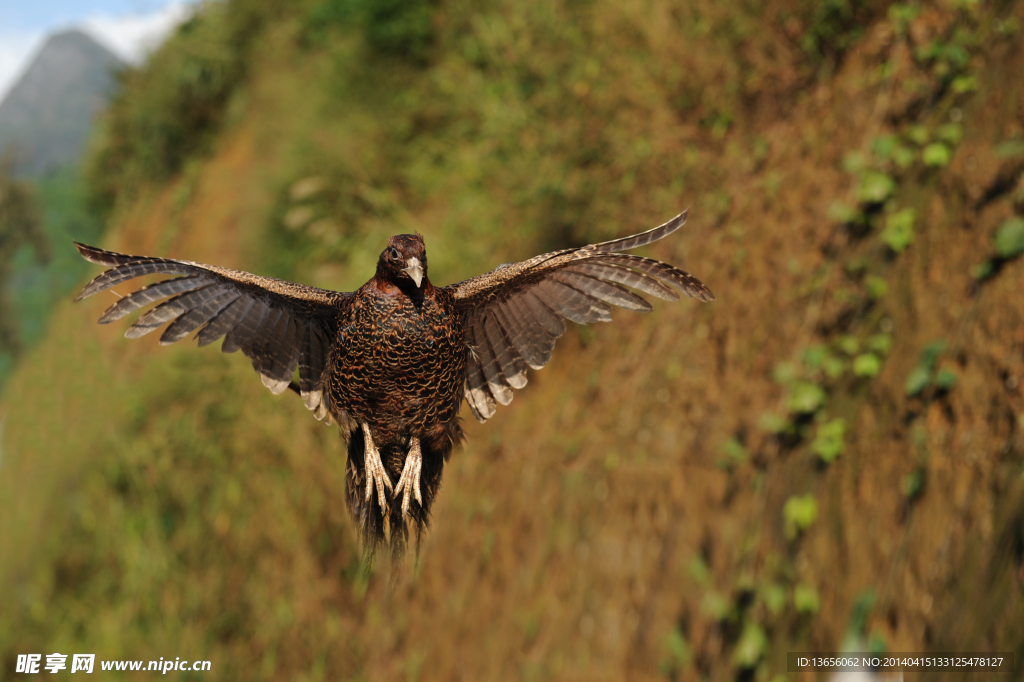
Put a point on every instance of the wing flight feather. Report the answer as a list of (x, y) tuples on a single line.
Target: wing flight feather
[(516, 313), (279, 325)]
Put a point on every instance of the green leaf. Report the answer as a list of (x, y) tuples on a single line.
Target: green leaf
[(1009, 238), (1008, 27), (867, 365), (773, 423), (815, 356), (945, 379), (912, 484), (716, 607), (899, 229), (901, 14), (799, 513), (828, 444), (918, 379), (936, 154), (854, 163), (950, 132), (843, 213), (848, 344), (930, 354), (774, 597), (918, 134), (983, 271), (877, 287), (962, 84), (806, 599), (751, 646), (875, 187), (884, 145), (958, 57), (879, 343), (699, 570), (735, 452), (903, 156), (784, 372), (678, 648), (833, 366), (806, 398)]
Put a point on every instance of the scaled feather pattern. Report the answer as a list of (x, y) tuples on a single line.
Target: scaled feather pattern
[(391, 362)]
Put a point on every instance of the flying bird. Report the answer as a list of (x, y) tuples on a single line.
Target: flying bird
[(392, 362)]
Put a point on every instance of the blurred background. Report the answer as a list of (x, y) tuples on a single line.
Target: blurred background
[(828, 457)]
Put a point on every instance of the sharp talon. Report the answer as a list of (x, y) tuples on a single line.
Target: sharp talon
[(375, 472), (410, 480)]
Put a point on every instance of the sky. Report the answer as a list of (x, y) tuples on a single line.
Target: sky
[(130, 28)]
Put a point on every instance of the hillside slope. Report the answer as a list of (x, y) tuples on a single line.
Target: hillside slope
[(830, 453)]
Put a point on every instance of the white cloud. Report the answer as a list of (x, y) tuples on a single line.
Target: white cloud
[(132, 37)]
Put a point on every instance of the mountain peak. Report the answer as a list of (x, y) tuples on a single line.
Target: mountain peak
[(46, 116)]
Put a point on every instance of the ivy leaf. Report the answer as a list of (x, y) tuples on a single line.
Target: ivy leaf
[(806, 398), (877, 287), (899, 229), (1009, 238), (751, 646), (875, 187), (867, 365), (918, 379), (828, 444), (806, 599), (936, 154), (945, 379), (799, 513), (880, 343)]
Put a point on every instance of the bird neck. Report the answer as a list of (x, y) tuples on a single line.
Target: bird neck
[(403, 287)]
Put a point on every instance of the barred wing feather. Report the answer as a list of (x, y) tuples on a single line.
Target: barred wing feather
[(280, 326), (516, 313)]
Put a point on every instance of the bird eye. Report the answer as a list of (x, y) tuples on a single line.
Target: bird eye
[(393, 253)]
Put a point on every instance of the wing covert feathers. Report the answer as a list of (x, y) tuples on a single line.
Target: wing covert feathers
[(280, 326), (516, 313)]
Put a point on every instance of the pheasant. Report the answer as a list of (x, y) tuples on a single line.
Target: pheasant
[(392, 362)]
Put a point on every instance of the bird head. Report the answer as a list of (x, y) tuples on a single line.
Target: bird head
[(404, 261)]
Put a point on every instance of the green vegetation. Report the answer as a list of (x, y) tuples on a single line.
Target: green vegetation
[(41, 274), (806, 599), (391, 27), (19, 227), (828, 444), (1009, 238), (751, 646), (899, 229), (1009, 244), (923, 375), (800, 513), (735, 454)]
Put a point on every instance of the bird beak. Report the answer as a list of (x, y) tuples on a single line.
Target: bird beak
[(414, 270)]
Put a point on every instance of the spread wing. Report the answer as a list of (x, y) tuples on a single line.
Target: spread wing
[(515, 314), (280, 326)]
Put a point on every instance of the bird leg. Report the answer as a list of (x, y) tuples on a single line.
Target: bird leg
[(410, 480), (375, 472)]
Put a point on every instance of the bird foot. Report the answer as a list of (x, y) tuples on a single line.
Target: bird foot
[(375, 472), (410, 479)]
